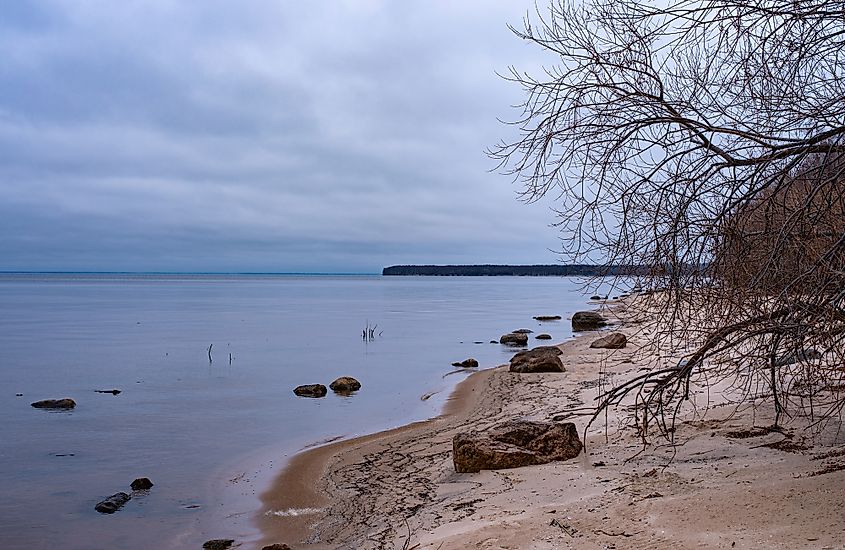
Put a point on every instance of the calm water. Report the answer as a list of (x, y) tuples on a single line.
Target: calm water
[(210, 435)]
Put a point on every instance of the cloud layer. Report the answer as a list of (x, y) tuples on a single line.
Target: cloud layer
[(259, 136)]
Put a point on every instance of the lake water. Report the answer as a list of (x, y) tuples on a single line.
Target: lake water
[(210, 435)]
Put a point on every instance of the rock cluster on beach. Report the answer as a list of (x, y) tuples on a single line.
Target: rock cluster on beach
[(513, 444), (345, 385), (539, 359)]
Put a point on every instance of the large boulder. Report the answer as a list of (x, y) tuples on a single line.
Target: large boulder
[(514, 339), (113, 503), (614, 340), (310, 390), (539, 359), (514, 444), (466, 364), (65, 403), (588, 320), (345, 384)]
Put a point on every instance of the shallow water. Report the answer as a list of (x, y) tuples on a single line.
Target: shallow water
[(203, 431)]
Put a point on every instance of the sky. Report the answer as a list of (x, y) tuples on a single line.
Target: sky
[(260, 136)]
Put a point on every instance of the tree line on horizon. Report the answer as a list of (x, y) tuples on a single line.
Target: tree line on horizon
[(552, 270)]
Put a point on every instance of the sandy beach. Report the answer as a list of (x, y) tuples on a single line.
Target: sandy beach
[(723, 484)]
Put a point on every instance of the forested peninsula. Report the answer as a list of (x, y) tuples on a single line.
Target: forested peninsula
[(554, 270)]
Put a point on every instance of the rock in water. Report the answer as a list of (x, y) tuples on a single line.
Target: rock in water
[(539, 359), (588, 320), (514, 444), (543, 336), (218, 544), (311, 390), (276, 546), (514, 339), (141, 484), (65, 403), (113, 503), (467, 364), (113, 392), (345, 384), (523, 331), (614, 340), (547, 317)]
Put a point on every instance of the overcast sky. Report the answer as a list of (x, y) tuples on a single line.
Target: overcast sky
[(260, 135)]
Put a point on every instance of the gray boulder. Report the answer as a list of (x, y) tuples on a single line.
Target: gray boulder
[(588, 320), (614, 340), (514, 339), (514, 444)]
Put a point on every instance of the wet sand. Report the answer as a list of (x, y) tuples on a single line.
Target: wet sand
[(722, 486)]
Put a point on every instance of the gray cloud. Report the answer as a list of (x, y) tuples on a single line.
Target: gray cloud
[(258, 136)]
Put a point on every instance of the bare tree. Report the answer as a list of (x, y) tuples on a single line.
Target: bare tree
[(705, 140)]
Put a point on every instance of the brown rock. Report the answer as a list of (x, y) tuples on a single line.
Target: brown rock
[(467, 364), (65, 403), (588, 320), (514, 339), (141, 484), (539, 359), (218, 544), (276, 546), (614, 340), (522, 331), (543, 336), (514, 444), (345, 384), (311, 390)]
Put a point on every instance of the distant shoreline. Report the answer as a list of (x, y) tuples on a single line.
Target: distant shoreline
[(538, 270)]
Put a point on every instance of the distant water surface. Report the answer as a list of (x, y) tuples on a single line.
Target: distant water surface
[(207, 433)]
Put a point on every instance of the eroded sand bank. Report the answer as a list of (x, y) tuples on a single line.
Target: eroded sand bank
[(398, 489)]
